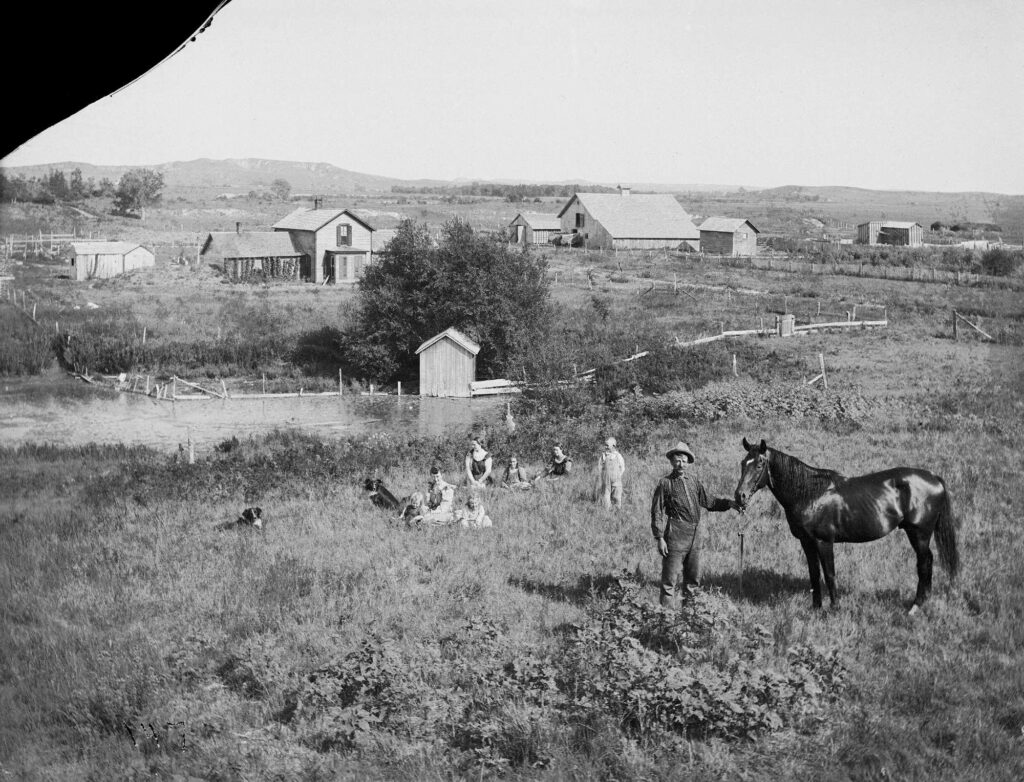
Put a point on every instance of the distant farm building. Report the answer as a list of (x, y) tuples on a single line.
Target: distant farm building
[(242, 253), (98, 260), (728, 236), (337, 243), (623, 221), (891, 233), (534, 228), (447, 364)]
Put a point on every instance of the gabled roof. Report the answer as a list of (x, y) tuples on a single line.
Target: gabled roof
[(104, 248), (638, 216), (455, 336), (251, 244), (303, 219), (726, 225), (540, 222), (891, 224)]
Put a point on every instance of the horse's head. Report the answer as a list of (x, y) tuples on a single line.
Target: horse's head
[(753, 472)]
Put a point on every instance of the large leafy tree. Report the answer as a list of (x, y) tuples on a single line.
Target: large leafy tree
[(494, 294), (137, 189)]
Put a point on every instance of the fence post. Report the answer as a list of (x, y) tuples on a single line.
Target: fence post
[(956, 331), (340, 386), (821, 363), (399, 387), (734, 372)]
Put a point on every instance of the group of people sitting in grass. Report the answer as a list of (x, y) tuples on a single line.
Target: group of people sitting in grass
[(436, 505)]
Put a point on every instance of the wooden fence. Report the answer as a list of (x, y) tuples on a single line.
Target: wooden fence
[(39, 243)]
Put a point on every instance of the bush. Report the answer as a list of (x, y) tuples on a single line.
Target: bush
[(1000, 262)]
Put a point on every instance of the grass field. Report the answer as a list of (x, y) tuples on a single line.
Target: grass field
[(138, 641)]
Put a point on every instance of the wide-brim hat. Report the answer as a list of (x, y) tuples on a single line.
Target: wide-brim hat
[(682, 448)]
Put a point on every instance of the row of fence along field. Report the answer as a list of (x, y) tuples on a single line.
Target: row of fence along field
[(632, 269)]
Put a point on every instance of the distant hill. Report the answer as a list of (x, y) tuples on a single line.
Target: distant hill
[(239, 175)]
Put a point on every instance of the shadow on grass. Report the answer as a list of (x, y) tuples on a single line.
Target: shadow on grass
[(586, 588), (760, 586)]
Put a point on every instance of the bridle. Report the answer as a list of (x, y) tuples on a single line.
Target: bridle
[(764, 477)]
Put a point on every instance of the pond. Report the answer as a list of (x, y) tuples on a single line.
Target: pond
[(72, 413)]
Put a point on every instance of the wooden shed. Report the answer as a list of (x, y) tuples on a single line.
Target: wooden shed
[(728, 236), (534, 228), (447, 364), (98, 260), (891, 232)]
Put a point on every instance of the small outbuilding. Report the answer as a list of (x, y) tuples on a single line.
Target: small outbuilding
[(728, 236), (891, 232), (534, 228), (447, 364), (99, 260)]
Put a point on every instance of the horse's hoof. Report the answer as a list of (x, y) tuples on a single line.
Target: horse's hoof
[(913, 610)]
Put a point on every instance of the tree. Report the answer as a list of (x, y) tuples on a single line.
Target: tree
[(282, 188), (479, 285), (137, 189), (76, 185)]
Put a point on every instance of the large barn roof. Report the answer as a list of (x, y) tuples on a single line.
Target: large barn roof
[(638, 216), (540, 222), (727, 225), (103, 248), (893, 224), (455, 336), (251, 244), (303, 219)]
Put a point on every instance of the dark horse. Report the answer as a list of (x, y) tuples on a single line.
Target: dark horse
[(824, 507)]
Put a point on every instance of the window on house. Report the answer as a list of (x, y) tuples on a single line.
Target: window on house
[(579, 219), (344, 235)]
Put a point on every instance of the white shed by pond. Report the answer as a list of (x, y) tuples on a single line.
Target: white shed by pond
[(98, 260), (447, 364)]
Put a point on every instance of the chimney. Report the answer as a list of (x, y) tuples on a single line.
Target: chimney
[(318, 201), (238, 228), (624, 191)]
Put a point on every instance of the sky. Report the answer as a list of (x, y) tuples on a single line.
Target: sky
[(886, 94)]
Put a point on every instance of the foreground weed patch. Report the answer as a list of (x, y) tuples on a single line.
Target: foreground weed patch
[(653, 672)]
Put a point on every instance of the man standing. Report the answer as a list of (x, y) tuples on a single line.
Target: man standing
[(611, 467), (678, 499)]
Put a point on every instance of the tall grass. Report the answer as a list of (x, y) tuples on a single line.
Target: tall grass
[(138, 639)]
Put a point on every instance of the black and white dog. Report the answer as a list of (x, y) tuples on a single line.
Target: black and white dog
[(251, 517), (380, 496)]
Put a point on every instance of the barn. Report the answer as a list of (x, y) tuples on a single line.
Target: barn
[(447, 364), (98, 260), (534, 228), (337, 243), (728, 236), (891, 232), (624, 221), (240, 253)]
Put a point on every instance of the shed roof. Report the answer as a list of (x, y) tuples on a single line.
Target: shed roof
[(540, 222), (104, 248), (304, 219), (250, 244), (638, 216), (892, 224), (727, 225), (455, 336), (380, 238)]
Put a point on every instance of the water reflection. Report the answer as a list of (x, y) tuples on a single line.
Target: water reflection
[(132, 419)]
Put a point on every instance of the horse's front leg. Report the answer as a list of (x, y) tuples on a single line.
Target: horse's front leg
[(828, 566), (813, 569)]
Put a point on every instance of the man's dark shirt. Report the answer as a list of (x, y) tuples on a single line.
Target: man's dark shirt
[(672, 500)]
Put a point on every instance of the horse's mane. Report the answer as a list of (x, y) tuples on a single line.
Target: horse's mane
[(800, 481)]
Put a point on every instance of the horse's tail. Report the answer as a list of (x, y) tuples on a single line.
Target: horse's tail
[(945, 536)]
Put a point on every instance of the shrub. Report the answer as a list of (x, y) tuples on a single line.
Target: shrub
[(1000, 262)]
